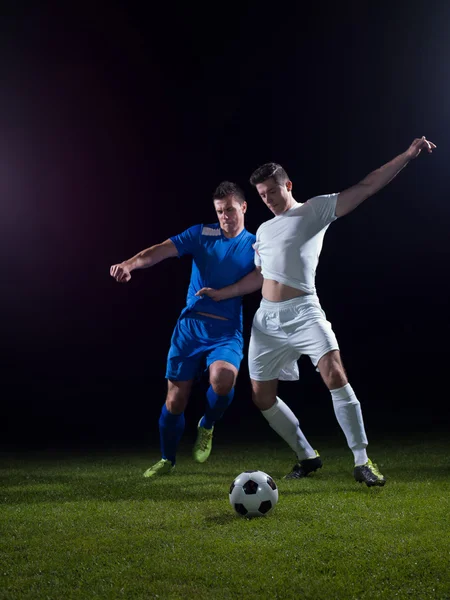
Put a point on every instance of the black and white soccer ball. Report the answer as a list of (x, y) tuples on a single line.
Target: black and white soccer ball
[(253, 494)]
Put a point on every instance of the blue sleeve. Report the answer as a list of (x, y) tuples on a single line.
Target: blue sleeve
[(188, 241)]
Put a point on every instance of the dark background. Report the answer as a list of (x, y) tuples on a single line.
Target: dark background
[(117, 123)]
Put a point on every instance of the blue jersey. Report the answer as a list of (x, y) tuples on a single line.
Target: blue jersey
[(218, 261)]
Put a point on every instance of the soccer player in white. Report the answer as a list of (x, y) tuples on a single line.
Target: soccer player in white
[(290, 321)]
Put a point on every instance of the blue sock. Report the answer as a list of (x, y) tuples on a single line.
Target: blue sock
[(215, 408), (171, 429)]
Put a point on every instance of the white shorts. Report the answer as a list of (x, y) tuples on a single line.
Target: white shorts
[(282, 332)]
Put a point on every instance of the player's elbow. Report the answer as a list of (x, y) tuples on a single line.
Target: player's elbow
[(258, 278)]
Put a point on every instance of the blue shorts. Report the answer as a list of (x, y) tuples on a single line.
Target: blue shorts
[(198, 341)]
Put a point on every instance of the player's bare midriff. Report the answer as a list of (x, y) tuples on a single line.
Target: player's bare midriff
[(275, 291), (212, 316)]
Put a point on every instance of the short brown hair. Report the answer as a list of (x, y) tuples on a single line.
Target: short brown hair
[(269, 170), (228, 188)]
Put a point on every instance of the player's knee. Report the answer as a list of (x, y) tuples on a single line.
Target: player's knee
[(222, 382), (258, 400), (335, 376), (263, 401), (337, 380), (264, 394), (177, 399), (176, 405), (332, 371)]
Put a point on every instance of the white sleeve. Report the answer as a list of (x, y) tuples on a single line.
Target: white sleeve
[(324, 207), (257, 257), (255, 248)]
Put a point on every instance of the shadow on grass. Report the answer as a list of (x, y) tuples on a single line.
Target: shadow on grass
[(166, 490), (221, 519), (350, 488)]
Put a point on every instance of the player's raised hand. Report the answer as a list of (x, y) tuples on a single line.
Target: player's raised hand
[(120, 272), (418, 145), (215, 295)]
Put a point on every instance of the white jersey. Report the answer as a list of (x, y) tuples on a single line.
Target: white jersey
[(288, 246)]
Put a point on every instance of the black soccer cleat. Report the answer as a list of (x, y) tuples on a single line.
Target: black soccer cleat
[(369, 474), (305, 467)]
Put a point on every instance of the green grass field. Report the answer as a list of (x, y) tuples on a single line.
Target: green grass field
[(90, 526)]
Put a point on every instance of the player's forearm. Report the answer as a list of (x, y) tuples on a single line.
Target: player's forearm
[(248, 284), (349, 199), (377, 179), (147, 258)]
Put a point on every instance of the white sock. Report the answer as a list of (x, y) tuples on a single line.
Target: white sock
[(348, 413), (285, 423)]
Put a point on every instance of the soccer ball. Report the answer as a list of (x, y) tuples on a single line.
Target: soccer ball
[(253, 494)]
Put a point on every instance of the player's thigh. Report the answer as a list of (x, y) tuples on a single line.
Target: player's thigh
[(223, 360), (268, 354), (264, 393), (315, 339), (187, 351)]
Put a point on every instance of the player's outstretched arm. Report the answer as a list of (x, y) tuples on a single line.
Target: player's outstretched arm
[(349, 199), (144, 259), (248, 284)]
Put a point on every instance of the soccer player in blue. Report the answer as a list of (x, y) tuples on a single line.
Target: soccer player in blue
[(208, 334)]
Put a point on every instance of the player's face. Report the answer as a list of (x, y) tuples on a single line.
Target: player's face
[(276, 197), (231, 215)]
